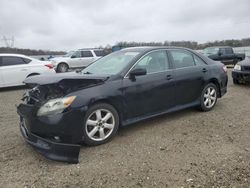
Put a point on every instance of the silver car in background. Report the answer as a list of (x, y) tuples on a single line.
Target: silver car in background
[(77, 59)]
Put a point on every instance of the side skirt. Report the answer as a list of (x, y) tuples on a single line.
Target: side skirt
[(174, 109)]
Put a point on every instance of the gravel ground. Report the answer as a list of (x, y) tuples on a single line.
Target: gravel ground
[(183, 149)]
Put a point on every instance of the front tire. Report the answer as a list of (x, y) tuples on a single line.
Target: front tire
[(100, 125), (208, 97)]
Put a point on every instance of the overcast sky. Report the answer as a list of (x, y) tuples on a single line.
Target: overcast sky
[(65, 24)]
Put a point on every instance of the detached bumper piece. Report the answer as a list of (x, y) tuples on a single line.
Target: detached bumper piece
[(51, 150)]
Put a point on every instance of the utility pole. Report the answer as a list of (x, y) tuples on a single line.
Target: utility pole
[(9, 42)]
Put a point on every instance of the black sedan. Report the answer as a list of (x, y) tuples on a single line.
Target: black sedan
[(241, 72), (125, 87)]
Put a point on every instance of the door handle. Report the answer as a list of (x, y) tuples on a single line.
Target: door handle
[(169, 77), (204, 70), (24, 69)]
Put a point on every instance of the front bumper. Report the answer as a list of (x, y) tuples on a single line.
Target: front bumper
[(49, 149), (243, 76), (40, 132)]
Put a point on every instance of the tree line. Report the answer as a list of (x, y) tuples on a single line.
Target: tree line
[(189, 44), (29, 52)]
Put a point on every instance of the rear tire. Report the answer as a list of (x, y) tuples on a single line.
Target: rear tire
[(100, 124), (208, 97), (62, 67)]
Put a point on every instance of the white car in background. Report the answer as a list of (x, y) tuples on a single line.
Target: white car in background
[(77, 59), (14, 68)]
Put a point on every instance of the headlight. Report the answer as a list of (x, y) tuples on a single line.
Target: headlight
[(55, 106), (237, 67)]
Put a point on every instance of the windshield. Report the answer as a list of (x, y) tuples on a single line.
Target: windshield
[(210, 51), (69, 54), (111, 64)]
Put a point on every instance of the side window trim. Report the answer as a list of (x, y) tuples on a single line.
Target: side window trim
[(89, 51), (131, 68), (20, 59), (192, 54), (200, 58), (97, 54), (93, 53), (26, 60)]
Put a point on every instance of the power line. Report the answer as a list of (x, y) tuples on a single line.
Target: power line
[(9, 42)]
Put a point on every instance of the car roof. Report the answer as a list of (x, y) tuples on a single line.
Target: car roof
[(149, 48), (219, 47), (14, 55), (91, 49)]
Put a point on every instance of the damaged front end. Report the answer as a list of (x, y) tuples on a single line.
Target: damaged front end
[(54, 135), (50, 149)]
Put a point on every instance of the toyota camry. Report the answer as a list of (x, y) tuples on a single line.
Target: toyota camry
[(88, 107)]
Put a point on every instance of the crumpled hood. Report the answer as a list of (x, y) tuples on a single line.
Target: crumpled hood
[(56, 78), (58, 85)]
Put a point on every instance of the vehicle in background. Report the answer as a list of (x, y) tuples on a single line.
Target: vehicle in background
[(116, 48), (241, 72), (14, 68), (77, 59), (224, 54), (121, 88)]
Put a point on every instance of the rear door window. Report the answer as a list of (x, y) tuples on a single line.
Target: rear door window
[(87, 53), (26, 60), (8, 61), (198, 61), (182, 58), (223, 51), (228, 50), (99, 53)]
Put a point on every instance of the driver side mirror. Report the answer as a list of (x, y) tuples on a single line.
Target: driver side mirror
[(73, 56), (137, 72), (219, 53)]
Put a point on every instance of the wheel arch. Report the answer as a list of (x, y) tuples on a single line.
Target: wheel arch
[(114, 104), (33, 74), (216, 82), (62, 62)]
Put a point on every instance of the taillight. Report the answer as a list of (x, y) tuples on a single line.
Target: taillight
[(50, 66), (225, 68)]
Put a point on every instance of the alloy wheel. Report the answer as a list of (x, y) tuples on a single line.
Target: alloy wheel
[(210, 97), (100, 124)]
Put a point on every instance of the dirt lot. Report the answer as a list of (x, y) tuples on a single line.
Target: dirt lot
[(183, 149)]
